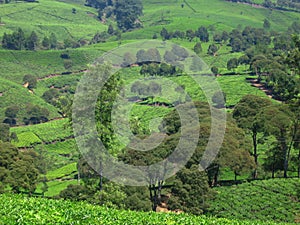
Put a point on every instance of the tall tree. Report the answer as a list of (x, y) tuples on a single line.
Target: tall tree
[(245, 113), (127, 13), (278, 121)]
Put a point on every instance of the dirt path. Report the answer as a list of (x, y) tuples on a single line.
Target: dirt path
[(61, 74), (254, 82)]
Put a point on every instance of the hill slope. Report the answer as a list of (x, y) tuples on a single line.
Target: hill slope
[(23, 210), (46, 16), (275, 199)]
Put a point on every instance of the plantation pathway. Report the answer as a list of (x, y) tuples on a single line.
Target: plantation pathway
[(254, 82), (61, 74), (54, 119)]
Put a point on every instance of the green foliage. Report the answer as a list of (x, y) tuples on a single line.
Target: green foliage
[(47, 132), (4, 131), (30, 81), (19, 170), (45, 211), (62, 172), (46, 18), (127, 13), (273, 199)]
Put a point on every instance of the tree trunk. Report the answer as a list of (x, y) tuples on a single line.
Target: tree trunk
[(299, 164), (285, 150), (255, 155), (216, 175), (78, 176), (101, 181)]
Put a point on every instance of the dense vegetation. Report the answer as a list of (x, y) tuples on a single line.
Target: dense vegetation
[(20, 209), (252, 50)]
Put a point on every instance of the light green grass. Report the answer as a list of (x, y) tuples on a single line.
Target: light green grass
[(48, 16), (62, 172), (46, 211), (55, 187), (61, 148), (56, 130), (16, 94), (26, 139), (219, 14), (273, 199)]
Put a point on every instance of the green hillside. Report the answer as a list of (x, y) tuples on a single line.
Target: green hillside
[(47, 16), (227, 192), (16, 94), (274, 199), (216, 14), (24, 210)]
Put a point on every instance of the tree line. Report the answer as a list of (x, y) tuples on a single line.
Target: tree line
[(19, 41)]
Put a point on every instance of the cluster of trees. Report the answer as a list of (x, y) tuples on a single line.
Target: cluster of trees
[(34, 114), (19, 41), (189, 189), (257, 115), (125, 12), (201, 33), (151, 59), (276, 67), (144, 89), (19, 171), (163, 69)]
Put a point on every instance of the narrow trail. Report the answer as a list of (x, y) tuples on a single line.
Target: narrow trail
[(61, 74), (51, 120), (262, 87)]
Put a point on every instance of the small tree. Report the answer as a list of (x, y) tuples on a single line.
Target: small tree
[(232, 63), (11, 114), (46, 42), (198, 48), (212, 49), (214, 70), (30, 80), (267, 24), (32, 41)]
